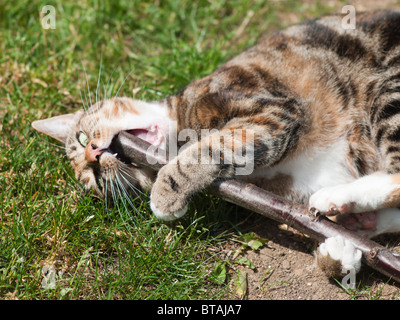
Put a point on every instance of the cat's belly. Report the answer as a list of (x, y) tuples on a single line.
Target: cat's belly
[(299, 177)]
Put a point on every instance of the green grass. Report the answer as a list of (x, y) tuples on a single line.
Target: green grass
[(147, 50)]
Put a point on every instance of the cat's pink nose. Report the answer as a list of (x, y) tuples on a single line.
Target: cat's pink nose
[(92, 152)]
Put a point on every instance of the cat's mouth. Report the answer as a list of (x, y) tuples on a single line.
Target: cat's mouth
[(152, 134), (117, 149), (121, 157)]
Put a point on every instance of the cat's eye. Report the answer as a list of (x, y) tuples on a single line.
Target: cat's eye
[(82, 138)]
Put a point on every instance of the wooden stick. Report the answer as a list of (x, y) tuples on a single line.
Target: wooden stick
[(271, 206)]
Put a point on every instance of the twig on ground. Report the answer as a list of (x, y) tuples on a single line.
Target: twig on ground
[(272, 206)]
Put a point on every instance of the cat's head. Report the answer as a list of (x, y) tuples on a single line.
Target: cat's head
[(87, 137)]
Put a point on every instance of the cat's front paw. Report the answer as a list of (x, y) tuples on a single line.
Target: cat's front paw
[(336, 256), (167, 201), (165, 214)]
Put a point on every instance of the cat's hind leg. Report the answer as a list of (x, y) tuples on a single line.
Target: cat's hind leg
[(373, 192), (371, 224), (381, 189)]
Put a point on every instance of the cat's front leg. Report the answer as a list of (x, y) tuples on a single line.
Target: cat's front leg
[(191, 171), (174, 186), (219, 155), (240, 146)]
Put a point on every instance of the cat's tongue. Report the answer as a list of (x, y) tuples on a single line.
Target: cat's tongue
[(151, 136)]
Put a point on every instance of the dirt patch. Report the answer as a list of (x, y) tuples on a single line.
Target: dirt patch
[(285, 268)]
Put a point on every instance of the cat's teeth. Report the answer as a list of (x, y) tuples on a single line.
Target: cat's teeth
[(115, 154)]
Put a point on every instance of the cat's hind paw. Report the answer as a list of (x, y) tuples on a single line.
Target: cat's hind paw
[(336, 256), (333, 200)]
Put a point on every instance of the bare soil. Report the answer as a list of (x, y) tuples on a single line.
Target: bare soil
[(285, 268)]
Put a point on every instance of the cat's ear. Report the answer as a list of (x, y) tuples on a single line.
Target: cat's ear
[(58, 127)]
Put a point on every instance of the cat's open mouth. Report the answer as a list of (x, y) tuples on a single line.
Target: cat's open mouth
[(125, 160), (151, 135), (117, 148)]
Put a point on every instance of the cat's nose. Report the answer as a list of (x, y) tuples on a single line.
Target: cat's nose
[(93, 152)]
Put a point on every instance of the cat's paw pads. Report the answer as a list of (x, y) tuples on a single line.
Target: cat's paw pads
[(362, 222), (332, 201), (336, 256), (167, 215)]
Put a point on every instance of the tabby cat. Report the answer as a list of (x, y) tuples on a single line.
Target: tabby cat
[(323, 103)]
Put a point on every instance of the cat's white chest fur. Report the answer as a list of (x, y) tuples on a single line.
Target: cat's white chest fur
[(314, 169)]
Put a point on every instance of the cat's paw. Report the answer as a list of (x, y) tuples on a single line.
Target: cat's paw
[(167, 215), (364, 222), (167, 201), (333, 200), (365, 194), (336, 256)]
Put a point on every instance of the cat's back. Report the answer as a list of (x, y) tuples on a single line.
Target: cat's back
[(328, 50), (335, 69), (369, 40)]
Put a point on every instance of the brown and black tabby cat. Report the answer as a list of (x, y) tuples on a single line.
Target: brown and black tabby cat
[(323, 103)]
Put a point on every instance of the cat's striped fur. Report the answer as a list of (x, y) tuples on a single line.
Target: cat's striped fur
[(323, 103)]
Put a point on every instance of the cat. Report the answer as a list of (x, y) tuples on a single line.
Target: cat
[(323, 102)]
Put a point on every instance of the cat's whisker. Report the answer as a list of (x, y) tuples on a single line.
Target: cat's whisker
[(86, 107), (123, 82), (114, 195), (99, 77), (53, 144), (58, 146), (95, 122), (104, 89), (109, 83), (134, 189), (130, 186), (83, 103), (88, 104), (125, 195), (112, 190), (88, 88), (106, 195)]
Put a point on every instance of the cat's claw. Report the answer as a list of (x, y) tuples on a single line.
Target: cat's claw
[(332, 201)]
